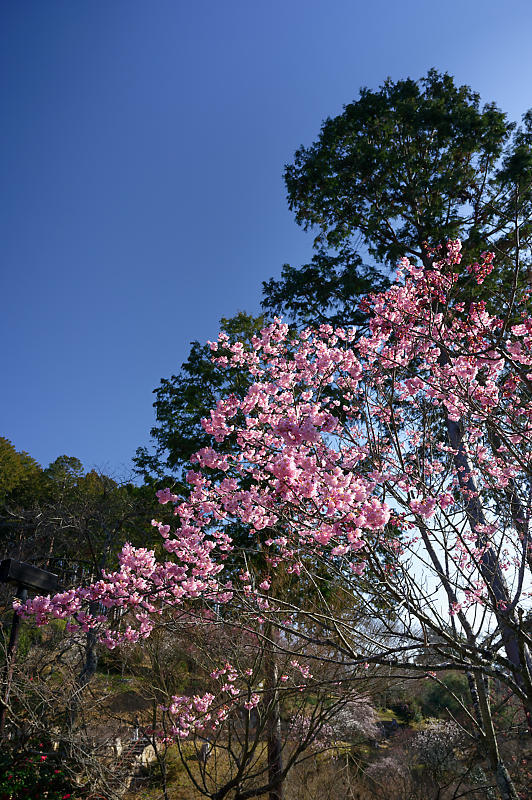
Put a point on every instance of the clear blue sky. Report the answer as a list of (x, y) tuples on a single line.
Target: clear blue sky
[(141, 159)]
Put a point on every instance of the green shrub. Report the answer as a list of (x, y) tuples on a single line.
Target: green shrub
[(436, 700), (34, 774)]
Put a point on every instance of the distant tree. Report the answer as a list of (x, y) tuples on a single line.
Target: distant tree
[(63, 517), (19, 472), (63, 474)]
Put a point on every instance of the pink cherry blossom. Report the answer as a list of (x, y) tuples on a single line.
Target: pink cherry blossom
[(340, 460)]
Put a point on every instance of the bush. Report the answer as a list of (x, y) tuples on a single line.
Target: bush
[(34, 774), (437, 700)]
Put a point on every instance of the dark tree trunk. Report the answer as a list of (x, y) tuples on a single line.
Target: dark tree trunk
[(271, 696)]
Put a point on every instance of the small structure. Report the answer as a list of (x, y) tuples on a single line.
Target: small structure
[(204, 751), (25, 577)]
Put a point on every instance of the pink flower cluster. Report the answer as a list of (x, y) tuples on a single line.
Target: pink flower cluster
[(335, 459)]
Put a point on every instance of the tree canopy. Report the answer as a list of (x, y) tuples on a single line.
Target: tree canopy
[(403, 169)]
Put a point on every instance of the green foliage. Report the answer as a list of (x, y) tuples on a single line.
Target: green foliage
[(401, 165), (408, 709), (34, 773), (67, 520), (20, 474), (185, 398), (63, 475), (30, 636), (325, 291), (438, 699), (401, 170)]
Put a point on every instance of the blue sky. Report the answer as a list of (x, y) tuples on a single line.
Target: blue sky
[(141, 160)]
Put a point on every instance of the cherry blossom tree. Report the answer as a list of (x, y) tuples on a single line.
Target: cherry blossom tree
[(390, 471)]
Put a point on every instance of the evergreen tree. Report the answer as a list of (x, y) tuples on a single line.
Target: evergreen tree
[(400, 171), (183, 400)]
